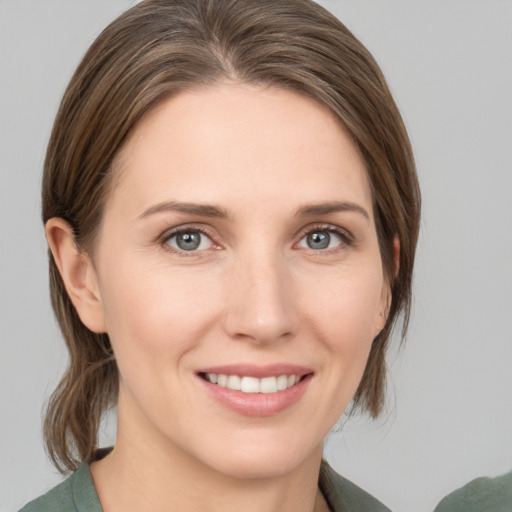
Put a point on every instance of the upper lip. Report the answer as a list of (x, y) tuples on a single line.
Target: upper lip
[(251, 370)]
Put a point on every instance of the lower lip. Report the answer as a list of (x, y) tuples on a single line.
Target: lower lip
[(258, 404)]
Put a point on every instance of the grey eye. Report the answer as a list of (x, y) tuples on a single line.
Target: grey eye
[(190, 241), (320, 240)]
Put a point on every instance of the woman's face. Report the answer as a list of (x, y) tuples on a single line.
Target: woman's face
[(238, 249)]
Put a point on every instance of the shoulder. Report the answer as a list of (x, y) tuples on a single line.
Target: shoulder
[(489, 494), (60, 498), (344, 496), (75, 494)]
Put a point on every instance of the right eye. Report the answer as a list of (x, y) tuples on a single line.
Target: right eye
[(189, 240), (320, 240)]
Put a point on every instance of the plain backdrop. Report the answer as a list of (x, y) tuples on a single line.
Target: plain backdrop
[(449, 414)]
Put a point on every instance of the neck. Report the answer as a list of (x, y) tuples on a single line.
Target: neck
[(146, 472), (127, 481)]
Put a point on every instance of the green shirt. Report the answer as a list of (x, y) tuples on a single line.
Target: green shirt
[(77, 494), (480, 495)]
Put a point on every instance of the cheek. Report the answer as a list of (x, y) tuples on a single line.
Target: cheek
[(340, 311), (344, 313), (347, 302), (153, 313)]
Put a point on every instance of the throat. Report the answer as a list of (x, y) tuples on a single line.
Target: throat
[(321, 504)]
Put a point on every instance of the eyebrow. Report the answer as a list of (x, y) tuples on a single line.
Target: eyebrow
[(201, 210), (315, 209), (207, 210)]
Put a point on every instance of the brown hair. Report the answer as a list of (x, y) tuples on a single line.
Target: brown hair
[(161, 47)]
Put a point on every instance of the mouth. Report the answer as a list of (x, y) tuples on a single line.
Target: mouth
[(253, 385), (257, 391)]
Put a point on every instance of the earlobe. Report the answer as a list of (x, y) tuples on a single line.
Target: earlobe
[(384, 309), (78, 274)]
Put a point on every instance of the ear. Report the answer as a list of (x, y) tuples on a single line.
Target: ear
[(384, 305), (386, 296), (78, 274)]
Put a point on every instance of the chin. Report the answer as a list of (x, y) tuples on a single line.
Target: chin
[(258, 460), (256, 468)]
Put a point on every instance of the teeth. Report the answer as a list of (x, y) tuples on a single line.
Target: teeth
[(233, 382), (282, 382), (268, 385), (252, 384)]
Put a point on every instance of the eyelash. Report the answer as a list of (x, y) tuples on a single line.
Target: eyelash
[(168, 235), (346, 238)]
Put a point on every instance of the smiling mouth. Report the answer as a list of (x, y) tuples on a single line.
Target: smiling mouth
[(247, 384)]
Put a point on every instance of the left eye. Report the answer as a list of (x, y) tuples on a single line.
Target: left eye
[(190, 241), (320, 240)]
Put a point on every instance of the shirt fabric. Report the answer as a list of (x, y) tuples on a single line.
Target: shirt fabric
[(480, 495), (78, 494)]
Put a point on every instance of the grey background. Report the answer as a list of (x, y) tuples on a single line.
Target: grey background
[(449, 417)]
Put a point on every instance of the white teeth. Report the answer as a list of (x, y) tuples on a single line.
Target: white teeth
[(282, 382), (234, 382), (253, 384), (250, 385), (268, 385)]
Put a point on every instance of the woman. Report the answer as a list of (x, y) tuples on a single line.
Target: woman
[(232, 210)]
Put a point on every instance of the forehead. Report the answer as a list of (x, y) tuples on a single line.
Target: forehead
[(234, 141)]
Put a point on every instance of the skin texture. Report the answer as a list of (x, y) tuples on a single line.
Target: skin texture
[(253, 293)]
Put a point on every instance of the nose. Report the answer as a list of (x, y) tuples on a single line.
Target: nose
[(259, 303)]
